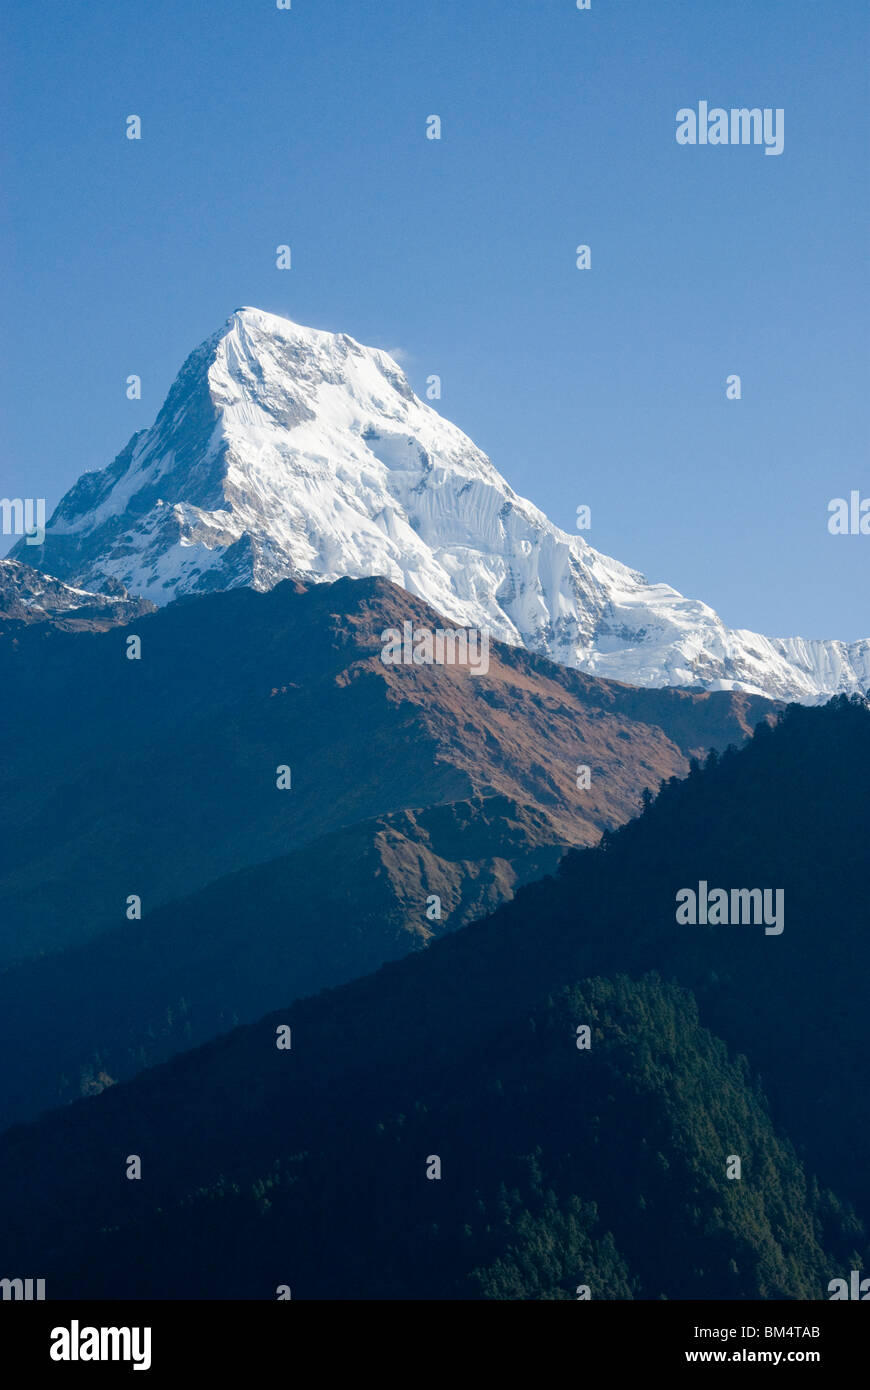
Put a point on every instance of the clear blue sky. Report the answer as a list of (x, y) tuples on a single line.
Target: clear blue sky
[(607, 387)]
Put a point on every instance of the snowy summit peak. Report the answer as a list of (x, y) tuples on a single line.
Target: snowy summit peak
[(293, 356), (283, 451)]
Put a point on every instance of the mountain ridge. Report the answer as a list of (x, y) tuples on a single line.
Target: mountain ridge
[(163, 770)]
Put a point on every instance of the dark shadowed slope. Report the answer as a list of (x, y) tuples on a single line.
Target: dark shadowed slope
[(559, 1166), (75, 1021)]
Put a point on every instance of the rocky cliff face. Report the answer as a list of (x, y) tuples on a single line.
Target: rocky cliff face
[(28, 596)]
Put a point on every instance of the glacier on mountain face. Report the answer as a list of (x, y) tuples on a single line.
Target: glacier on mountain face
[(287, 452)]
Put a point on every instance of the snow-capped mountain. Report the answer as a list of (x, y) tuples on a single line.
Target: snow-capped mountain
[(283, 451)]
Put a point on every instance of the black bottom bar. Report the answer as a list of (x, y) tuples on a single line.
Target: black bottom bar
[(227, 1338)]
